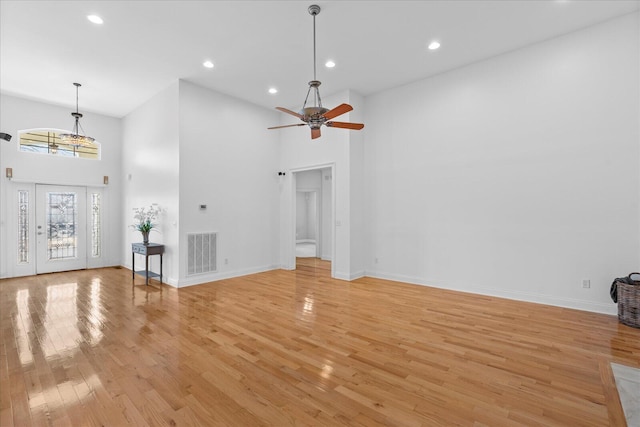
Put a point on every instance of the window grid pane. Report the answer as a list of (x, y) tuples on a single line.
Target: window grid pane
[(23, 226)]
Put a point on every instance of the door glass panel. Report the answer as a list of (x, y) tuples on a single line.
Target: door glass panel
[(23, 227), (95, 225), (61, 214)]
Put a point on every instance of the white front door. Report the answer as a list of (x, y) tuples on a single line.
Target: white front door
[(61, 228)]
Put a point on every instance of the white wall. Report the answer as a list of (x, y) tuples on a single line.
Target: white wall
[(306, 216), (18, 114), (517, 176), (150, 172), (229, 161)]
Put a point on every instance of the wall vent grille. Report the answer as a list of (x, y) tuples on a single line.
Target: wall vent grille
[(202, 250)]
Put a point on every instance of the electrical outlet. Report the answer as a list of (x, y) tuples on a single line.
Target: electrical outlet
[(375, 260), (226, 261), (586, 283)]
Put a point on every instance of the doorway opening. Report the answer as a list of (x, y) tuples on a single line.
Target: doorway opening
[(313, 213)]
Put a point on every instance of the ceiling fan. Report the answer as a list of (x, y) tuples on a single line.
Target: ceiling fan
[(316, 115)]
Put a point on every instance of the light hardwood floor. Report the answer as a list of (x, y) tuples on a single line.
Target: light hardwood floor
[(299, 348)]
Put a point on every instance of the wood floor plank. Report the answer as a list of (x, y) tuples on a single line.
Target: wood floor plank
[(614, 406), (299, 348)]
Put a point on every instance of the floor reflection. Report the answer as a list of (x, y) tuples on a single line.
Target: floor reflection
[(306, 312), (95, 316), (23, 327), (61, 329), (61, 320)]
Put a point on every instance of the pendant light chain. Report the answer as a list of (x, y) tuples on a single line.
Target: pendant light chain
[(77, 86), (77, 115)]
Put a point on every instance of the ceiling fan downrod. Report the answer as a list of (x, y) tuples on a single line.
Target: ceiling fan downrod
[(314, 10)]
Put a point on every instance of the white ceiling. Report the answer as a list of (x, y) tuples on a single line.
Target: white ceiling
[(144, 46)]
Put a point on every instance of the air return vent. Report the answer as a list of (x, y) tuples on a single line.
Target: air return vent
[(202, 250)]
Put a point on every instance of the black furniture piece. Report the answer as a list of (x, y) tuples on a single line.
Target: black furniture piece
[(146, 250)]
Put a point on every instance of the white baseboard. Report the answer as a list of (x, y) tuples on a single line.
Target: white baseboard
[(349, 276), (213, 277), (577, 304)]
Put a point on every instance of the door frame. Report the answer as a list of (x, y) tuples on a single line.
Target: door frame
[(79, 262), (9, 265), (293, 195)]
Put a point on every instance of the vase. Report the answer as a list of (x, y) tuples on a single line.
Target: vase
[(145, 237)]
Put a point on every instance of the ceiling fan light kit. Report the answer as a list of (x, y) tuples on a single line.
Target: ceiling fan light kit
[(316, 115)]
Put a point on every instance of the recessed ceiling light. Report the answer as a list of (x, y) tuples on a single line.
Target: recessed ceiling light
[(330, 64), (208, 64), (273, 90), (434, 45), (95, 19)]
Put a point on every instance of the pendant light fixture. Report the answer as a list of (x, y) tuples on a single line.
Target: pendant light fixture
[(76, 138)]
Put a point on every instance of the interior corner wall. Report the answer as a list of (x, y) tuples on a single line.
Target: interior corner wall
[(18, 114), (228, 162), (517, 176), (150, 168), (357, 188)]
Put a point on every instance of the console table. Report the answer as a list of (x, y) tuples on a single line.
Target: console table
[(146, 250)]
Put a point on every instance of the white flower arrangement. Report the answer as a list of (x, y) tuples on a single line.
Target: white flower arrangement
[(144, 218)]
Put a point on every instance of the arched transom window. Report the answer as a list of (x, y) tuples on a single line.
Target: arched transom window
[(47, 141)]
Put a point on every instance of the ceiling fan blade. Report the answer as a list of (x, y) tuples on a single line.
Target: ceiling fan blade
[(287, 126), (293, 113), (315, 133), (345, 125), (339, 110)]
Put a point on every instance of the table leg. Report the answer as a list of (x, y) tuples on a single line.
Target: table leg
[(146, 268), (133, 265), (160, 271)]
